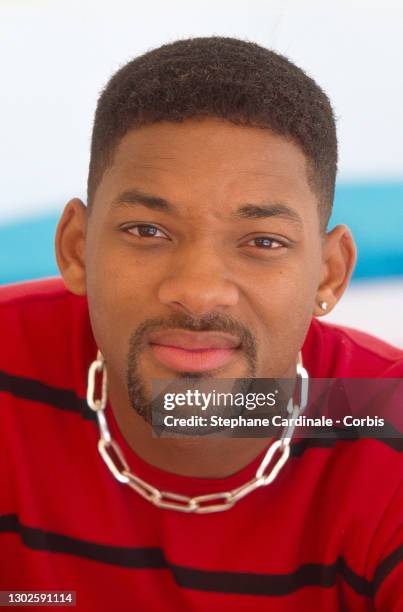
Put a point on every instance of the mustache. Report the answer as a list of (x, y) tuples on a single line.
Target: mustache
[(213, 322)]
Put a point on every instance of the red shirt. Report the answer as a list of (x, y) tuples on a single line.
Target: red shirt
[(327, 534)]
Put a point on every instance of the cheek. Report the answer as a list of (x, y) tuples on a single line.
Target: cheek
[(121, 295), (284, 302), (287, 288)]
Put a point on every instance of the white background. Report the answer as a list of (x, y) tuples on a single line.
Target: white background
[(57, 55)]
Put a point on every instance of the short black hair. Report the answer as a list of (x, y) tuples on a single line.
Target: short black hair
[(222, 77)]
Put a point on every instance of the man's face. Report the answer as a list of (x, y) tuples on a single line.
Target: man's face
[(203, 255)]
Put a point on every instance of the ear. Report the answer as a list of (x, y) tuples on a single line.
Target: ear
[(339, 257), (70, 246)]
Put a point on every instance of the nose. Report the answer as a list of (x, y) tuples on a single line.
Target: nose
[(198, 284)]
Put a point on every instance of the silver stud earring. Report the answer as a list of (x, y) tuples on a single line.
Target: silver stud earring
[(323, 305)]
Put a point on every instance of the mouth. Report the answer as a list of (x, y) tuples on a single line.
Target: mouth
[(193, 352)]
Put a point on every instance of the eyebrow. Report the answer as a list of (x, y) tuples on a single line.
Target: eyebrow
[(264, 211), (246, 211), (134, 196)]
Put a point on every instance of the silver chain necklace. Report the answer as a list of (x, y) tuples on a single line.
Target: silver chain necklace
[(199, 504)]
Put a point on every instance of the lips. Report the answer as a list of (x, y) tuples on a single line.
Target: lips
[(193, 352)]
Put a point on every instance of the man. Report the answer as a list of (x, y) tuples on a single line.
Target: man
[(202, 251)]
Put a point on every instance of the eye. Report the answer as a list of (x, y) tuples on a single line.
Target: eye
[(264, 242), (145, 230)]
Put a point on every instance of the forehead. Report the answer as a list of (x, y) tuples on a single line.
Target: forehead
[(208, 162)]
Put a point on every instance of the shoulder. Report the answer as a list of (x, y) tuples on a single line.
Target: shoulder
[(337, 351), (45, 330), (33, 302), (43, 289)]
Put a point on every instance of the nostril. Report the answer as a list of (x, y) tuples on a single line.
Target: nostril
[(198, 296)]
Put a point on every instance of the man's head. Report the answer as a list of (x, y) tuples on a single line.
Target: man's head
[(226, 78), (204, 251)]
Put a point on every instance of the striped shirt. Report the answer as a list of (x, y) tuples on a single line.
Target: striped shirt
[(327, 534)]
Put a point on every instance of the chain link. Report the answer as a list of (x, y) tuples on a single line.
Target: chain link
[(200, 504)]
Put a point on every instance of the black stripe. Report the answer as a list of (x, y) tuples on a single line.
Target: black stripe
[(36, 391), (312, 574), (386, 566), (66, 399), (38, 539)]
